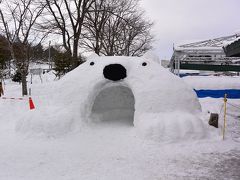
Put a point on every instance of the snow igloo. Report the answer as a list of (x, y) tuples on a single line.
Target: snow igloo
[(134, 89)]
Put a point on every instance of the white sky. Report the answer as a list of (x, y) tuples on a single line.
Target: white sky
[(182, 20)]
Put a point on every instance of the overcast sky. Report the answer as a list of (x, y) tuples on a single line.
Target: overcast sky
[(182, 20)]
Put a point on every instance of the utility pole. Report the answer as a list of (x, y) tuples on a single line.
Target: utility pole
[(49, 55)]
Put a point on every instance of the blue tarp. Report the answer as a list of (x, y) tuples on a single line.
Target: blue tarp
[(231, 93)]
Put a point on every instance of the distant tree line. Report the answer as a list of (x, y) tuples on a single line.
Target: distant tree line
[(106, 27)]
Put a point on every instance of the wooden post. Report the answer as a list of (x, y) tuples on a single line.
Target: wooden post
[(30, 92), (225, 112)]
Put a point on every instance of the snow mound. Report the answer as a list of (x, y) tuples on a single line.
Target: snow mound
[(104, 89), (220, 82)]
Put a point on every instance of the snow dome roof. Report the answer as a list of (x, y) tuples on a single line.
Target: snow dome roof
[(162, 104)]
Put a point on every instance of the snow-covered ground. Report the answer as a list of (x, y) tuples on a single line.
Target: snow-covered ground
[(114, 150)]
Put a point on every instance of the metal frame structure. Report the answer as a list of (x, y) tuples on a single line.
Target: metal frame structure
[(217, 42), (205, 55)]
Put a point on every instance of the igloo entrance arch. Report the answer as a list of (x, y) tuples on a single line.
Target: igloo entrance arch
[(114, 104)]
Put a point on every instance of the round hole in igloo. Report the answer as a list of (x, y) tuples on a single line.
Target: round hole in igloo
[(114, 104)]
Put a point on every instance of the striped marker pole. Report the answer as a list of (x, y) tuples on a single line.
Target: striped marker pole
[(13, 98), (225, 112)]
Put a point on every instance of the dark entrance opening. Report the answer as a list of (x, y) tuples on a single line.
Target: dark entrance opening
[(114, 104)]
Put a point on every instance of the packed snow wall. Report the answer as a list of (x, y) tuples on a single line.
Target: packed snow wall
[(164, 106)]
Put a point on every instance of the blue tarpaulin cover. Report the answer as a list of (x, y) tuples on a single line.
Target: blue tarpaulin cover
[(231, 93)]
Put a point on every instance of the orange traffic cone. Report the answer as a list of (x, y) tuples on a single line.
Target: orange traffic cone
[(31, 105)]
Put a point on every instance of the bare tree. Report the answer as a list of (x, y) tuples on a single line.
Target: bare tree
[(94, 25), (18, 18), (5, 57), (117, 27), (67, 20)]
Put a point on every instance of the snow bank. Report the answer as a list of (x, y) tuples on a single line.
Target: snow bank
[(220, 82), (159, 104)]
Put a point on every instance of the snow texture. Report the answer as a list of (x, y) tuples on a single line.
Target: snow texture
[(160, 105), (220, 82), (107, 150)]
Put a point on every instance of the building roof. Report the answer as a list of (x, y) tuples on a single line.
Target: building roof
[(211, 44)]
